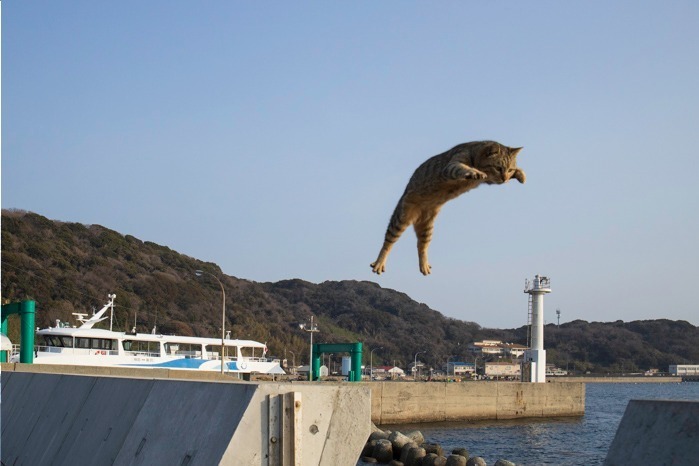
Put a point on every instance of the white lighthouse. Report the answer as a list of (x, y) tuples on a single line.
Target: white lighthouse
[(535, 357)]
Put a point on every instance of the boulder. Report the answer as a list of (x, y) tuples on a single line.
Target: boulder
[(404, 451), (504, 463), (378, 435), (415, 456), (398, 440), (416, 436), (476, 461), (456, 460), (432, 459), (460, 451), (383, 451), (433, 448)]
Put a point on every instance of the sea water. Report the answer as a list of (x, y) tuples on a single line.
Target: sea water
[(577, 441)]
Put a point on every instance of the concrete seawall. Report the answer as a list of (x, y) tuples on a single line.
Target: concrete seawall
[(401, 402), (413, 402), (657, 432), (639, 379), (59, 419)]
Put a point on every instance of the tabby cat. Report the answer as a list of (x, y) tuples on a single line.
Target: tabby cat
[(440, 179)]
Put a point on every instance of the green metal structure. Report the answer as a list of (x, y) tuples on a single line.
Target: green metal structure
[(354, 349), (26, 311)]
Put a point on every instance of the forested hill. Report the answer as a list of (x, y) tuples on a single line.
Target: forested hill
[(71, 267)]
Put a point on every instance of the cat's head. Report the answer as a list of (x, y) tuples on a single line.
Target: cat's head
[(499, 163)]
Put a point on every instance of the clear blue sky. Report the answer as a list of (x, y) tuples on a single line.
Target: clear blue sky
[(275, 138)]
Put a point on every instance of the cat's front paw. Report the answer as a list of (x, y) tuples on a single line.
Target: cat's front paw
[(520, 176), (378, 267), (474, 174)]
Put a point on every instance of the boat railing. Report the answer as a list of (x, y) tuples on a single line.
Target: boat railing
[(49, 349)]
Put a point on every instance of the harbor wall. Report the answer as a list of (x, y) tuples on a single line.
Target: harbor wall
[(639, 379), (414, 402), (59, 419), (396, 402), (656, 432)]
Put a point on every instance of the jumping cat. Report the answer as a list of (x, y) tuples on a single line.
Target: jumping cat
[(440, 179)]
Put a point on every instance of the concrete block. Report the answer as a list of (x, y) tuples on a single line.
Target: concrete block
[(656, 432), (55, 419)]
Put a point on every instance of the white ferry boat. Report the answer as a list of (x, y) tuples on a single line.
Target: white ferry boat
[(88, 346)]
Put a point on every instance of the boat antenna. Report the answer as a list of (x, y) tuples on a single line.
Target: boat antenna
[(111, 297), (134, 322)]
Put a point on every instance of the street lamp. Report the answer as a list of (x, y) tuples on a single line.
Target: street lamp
[(415, 364), (371, 362), (312, 327), (199, 273), (293, 364)]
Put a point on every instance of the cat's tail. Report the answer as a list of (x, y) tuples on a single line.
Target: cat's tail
[(396, 226)]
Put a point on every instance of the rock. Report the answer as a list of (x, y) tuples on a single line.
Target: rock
[(398, 440), (395, 463), (456, 460), (404, 451), (378, 435), (460, 451), (415, 456), (433, 448), (374, 428), (476, 461), (416, 436), (383, 451), (504, 463), (369, 459), (432, 459)]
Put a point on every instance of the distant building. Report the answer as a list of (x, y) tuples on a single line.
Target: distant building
[(503, 369), (303, 370), (459, 368), (681, 370), (395, 371), (497, 348), (551, 369)]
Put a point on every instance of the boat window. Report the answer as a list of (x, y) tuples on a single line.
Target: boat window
[(249, 352), (103, 344), (66, 341), (213, 351), (52, 340), (82, 343), (142, 346), (187, 350)]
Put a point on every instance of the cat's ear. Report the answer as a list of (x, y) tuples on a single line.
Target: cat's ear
[(515, 150)]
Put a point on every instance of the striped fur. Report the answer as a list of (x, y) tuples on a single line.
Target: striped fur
[(440, 179)]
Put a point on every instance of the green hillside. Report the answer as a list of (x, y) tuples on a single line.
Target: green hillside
[(70, 267)]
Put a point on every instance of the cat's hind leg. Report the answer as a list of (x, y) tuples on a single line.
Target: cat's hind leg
[(423, 230)]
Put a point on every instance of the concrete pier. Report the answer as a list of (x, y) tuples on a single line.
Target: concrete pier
[(414, 402), (59, 419), (656, 432)]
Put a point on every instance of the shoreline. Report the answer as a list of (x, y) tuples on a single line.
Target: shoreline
[(615, 379)]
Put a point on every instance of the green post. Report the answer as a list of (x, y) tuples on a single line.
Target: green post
[(356, 354), (27, 313), (316, 362), (3, 329)]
